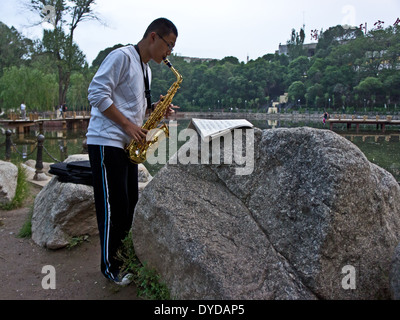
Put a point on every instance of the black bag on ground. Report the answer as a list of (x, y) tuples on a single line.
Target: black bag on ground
[(78, 172)]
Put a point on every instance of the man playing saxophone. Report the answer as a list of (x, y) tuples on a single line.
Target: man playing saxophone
[(119, 95)]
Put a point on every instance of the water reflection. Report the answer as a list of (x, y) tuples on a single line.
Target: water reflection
[(57, 145), (381, 149)]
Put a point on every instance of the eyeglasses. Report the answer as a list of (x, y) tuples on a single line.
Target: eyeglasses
[(170, 47)]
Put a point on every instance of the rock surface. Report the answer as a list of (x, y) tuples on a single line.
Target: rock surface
[(8, 181), (63, 211), (313, 208), (395, 275)]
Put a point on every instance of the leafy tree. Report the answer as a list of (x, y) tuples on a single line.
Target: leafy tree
[(297, 70), (391, 86), (316, 71), (25, 84), (59, 42), (297, 91), (103, 54), (78, 90), (369, 87), (295, 44), (334, 37), (231, 60), (314, 94), (14, 48)]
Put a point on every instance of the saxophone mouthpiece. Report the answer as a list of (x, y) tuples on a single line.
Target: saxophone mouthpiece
[(166, 61)]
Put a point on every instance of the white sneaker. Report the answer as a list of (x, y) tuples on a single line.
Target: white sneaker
[(125, 280)]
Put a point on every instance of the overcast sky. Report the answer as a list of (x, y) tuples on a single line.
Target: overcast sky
[(211, 28)]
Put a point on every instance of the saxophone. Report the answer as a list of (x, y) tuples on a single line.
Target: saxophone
[(137, 151)]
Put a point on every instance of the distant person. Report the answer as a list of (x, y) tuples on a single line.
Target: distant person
[(326, 116), (23, 111)]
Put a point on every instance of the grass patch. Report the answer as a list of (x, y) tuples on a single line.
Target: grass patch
[(77, 241), (21, 191), (146, 279), (26, 229)]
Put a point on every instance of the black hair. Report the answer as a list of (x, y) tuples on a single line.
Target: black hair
[(162, 26)]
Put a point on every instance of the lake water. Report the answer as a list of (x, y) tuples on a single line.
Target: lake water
[(382, 149)]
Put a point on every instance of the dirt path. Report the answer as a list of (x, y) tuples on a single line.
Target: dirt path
[(77, 275)]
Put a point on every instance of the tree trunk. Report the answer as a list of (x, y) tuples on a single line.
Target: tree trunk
[(63, 84)]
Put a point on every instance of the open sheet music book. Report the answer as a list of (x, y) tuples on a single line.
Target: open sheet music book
[(211, 129)]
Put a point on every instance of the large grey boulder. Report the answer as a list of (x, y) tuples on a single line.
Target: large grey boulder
[(314, 220)]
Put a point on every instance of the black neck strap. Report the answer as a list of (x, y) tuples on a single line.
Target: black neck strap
[(146, 79)]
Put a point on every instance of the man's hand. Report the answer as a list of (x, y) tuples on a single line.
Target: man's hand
[(170, 109), (133, 130)]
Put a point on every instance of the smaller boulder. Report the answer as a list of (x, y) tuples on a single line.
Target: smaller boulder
[(8, 181), (63, 211), (66, 210)]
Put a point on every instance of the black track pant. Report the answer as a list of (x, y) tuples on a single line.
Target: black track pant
[(115, 182)]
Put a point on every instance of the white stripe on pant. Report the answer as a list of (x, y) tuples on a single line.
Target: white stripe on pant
[(115, 183)]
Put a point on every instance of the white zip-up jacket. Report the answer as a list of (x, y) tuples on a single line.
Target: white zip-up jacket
[(119, 80)]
